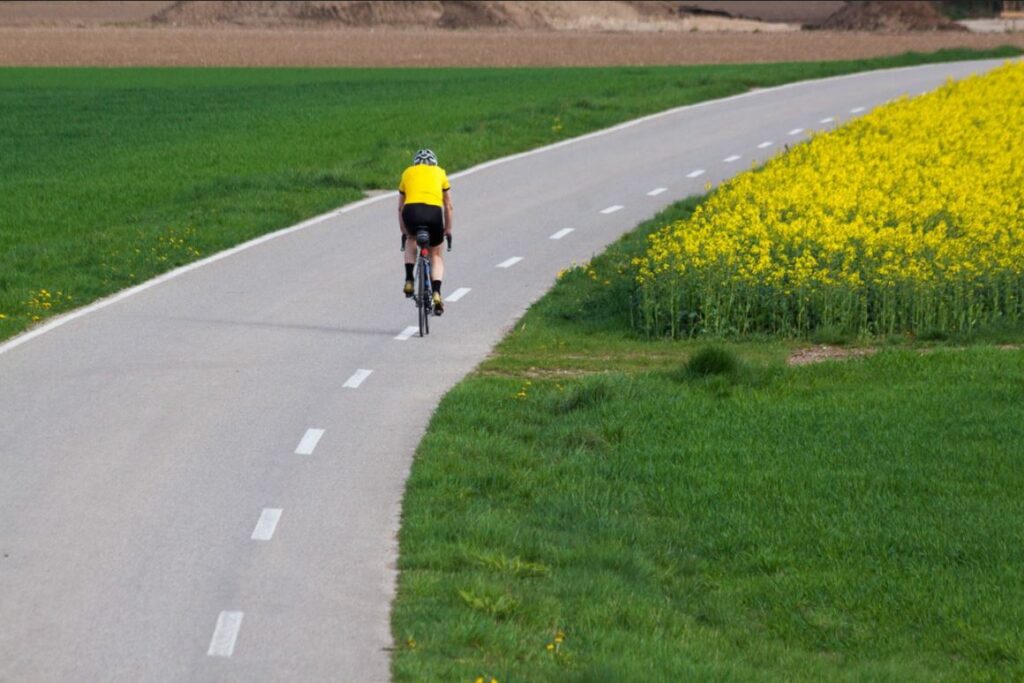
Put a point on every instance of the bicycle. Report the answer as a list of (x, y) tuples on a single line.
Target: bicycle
[(423, 291)]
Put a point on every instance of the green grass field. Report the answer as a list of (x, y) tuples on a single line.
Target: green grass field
[(591, 506), (111, 176)]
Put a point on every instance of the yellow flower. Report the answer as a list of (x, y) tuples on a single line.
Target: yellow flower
[(906, 218)]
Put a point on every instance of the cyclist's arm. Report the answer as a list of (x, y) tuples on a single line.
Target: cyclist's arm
[(401, 205), (447, 212)]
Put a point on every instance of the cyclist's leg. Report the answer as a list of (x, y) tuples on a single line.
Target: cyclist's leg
[(410, 263), (411, 218), (410, 249), (437, 262), (437, 274), (436, 228)]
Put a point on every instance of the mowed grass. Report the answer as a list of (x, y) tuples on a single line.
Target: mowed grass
[(592, 506), (111, 176)]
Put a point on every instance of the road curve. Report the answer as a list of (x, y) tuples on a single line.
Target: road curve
[(202, 480)]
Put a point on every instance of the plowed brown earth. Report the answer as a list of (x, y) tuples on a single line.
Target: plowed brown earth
[(108, 46)]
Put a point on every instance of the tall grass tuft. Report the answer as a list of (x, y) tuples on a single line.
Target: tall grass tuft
[(712, 360)]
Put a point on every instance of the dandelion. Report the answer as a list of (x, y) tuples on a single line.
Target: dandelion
[(555, 646)]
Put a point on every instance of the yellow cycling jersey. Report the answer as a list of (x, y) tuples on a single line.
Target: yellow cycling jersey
[(423, 184)]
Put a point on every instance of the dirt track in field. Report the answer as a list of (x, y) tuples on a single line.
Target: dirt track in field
[(118, 46)]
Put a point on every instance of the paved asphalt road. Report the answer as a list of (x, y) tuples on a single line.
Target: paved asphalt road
[(143, 445)]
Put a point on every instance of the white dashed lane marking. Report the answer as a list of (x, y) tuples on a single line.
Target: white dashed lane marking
[(656, 191), (309, 441), (222, 644), (796, 131), (613, 209), (457, 294), (561, 233), (856, 110), (827, 119), (694, 174), (732, 158), (266, 524), (508, 263), (766, 143), (406, 333), (357, 378)]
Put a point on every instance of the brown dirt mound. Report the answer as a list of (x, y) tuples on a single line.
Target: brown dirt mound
[(891, 16), (474, 14), (451, 14), (646, 15), (789, 11), (255, 13)]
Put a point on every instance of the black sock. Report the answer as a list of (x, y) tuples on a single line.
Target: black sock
[(436, 284), (408, 271)]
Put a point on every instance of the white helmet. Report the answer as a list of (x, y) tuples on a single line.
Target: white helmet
[(425, 156)]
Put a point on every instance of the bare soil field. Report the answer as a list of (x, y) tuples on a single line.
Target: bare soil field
[(448, 33), (216, 46)]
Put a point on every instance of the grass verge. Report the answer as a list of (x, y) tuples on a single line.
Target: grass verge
[(590, 506), (111, 176)]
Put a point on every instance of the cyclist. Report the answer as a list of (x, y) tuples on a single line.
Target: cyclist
[(424, 200)]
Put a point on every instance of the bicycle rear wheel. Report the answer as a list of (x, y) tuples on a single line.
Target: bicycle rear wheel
[(422, 298)]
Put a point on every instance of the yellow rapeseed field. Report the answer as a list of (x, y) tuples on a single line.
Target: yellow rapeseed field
[(910, 218)]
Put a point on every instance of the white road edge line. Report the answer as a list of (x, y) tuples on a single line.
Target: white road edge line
[(222, 644), (827, 119), (795, 131), (766, 143), (357, 378), (656, 191), (694, 174), (562, 233), (65, 318), (732, 158), (508, 263), (406, 333), (266, 524), (613, 208), (309, 441), (458, 294), (856, 110)]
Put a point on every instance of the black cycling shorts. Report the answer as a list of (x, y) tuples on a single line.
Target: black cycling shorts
[(417, 216)]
